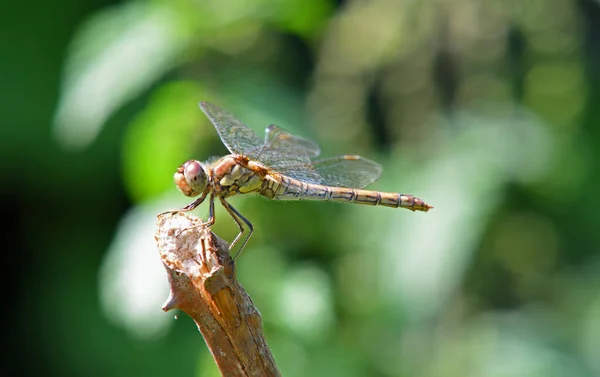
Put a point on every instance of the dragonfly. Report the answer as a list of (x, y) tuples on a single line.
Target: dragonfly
[(279, 167)]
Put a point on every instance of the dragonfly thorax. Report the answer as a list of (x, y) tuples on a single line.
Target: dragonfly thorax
[(234, 175), (191, 178)]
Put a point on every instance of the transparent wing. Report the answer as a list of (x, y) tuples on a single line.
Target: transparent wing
[(288, 154), (236, 136), (347, 171), (278, 139), (302, 171), (241, 139)]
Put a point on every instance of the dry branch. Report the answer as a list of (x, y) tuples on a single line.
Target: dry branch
[(203, 285)]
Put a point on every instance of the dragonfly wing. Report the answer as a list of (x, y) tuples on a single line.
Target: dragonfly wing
[(278, 139), (288, 154), (304, 172), (236, 136), (347, 171)]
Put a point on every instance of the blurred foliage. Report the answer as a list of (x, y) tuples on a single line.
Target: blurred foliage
[(484, 109)]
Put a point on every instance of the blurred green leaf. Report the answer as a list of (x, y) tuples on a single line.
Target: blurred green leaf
[(132, 281), (161, 138), (303, 17), (118, 53)]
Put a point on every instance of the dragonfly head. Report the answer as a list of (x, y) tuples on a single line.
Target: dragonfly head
[(191, 178)]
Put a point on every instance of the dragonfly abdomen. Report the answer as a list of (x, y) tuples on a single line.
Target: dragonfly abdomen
[(291, 189)]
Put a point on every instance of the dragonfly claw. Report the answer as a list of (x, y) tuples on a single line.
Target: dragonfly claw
[(207, 223), (170, 212)]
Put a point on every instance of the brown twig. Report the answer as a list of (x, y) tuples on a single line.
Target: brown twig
[(203, 285)]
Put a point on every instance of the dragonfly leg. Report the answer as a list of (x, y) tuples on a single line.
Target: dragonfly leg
[(195, 203), (189, 207), (211, 212), (236, 217)]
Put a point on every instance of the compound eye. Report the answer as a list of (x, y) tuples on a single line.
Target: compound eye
[(191, 178)]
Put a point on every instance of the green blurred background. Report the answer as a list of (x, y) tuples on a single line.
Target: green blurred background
[(485, 109)]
